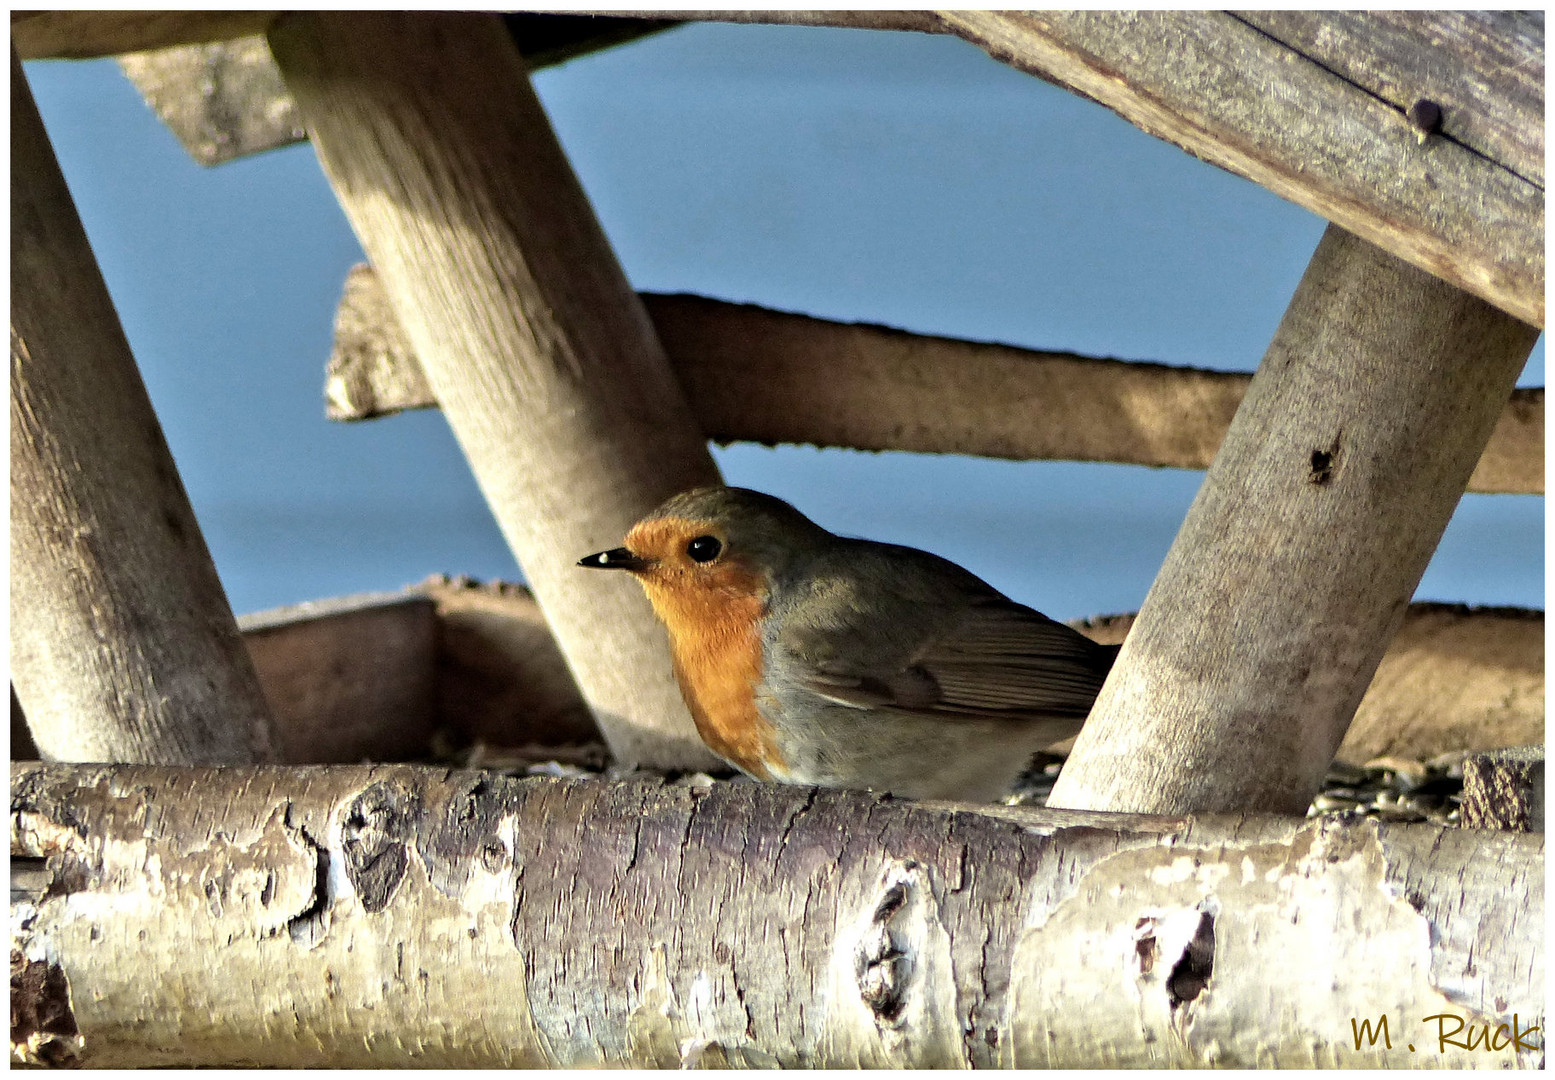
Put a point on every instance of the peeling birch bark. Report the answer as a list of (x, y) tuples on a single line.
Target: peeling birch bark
[(396, 915)]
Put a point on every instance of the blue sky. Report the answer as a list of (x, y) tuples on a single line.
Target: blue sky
[(885, 177)]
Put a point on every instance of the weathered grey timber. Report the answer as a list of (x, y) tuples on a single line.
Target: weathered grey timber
[(1313, 107), (540, 353), (403, 916), (1230, 94), (1484, 70), (1298, 557), (1454, 678), (123, 647), (1318, 109)]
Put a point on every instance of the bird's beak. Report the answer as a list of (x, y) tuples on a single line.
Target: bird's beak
[(615, 559)]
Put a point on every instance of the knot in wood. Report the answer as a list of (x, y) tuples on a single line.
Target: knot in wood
[(375, 830), (1425, 117)]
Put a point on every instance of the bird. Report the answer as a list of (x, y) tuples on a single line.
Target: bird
[(805, 657)]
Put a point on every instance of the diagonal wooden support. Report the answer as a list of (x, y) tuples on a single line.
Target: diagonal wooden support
[(545, 364), (123, 647), (1297, 559)]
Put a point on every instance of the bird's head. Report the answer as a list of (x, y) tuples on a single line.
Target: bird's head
[(711, 545)]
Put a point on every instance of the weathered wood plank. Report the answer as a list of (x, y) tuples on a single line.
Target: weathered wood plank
[(921, 21), (1313, 106), (1227, 92), (755, 375), (401, 916), (501, 679), (1454, 678), (226, 99), (1485, 69), (349, 679), (222, 99), (79, 35), (348, 684), (1235, 97), (541, 355), (122, 643), (1295, 563)]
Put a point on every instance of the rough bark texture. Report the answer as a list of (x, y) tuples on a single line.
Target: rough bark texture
[(1505, 789), (1296, 561), (123, 647), (755, 375), (417, 917), (223, 99), (546, 366)]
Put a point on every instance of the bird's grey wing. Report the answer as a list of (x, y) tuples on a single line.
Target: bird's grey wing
[(1000, 659)]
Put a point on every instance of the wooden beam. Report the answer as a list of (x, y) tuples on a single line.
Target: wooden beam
[(1297, 559), (1317, 107), (501, 680), (223, 99), (1311, 118), (349, 679), (122, 644), (755, 375), (1454, 678), (226, 99), (545, 364), (81, 35), (1230, 94), (1484, 69)]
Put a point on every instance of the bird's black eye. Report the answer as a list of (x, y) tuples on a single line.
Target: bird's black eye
[(704, 549)]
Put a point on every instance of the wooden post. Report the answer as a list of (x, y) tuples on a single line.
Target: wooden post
[(1299, 555), (545, 364), (123, 647)]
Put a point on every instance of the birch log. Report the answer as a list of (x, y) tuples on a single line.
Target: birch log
[(540, 353), (1297, 559), (122, 644), (393, 915)]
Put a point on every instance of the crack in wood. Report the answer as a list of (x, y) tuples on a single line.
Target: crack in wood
[(307, 926), (1193, 969), (1406, 112)]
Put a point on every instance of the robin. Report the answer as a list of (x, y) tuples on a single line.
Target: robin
[(811, 658)]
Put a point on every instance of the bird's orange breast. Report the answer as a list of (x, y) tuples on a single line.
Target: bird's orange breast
[(715, 638)]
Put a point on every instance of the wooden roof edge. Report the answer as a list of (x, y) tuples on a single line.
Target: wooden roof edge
[(1397, 144), (82, 35)]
